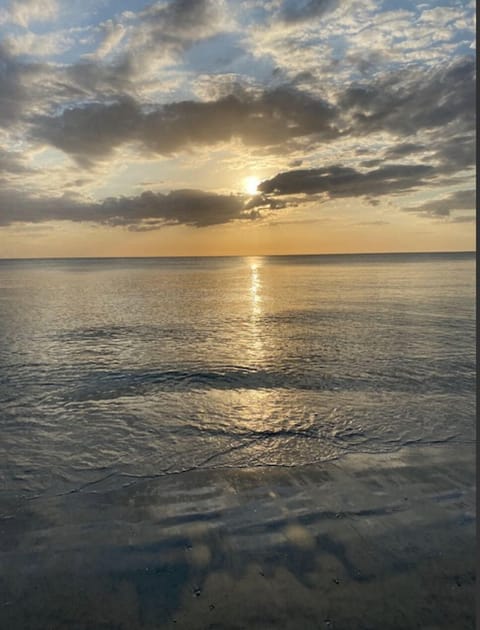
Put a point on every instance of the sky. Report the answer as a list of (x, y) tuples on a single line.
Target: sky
[(236, 127)]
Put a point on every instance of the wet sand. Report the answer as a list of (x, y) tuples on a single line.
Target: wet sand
[(364, 542)]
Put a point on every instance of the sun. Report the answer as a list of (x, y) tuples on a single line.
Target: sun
[(250, 184)]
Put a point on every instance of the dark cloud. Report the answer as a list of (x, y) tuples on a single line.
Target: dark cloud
[(341, 181), (344, 182), (454, 153), (11, 90), (197, 208), (161, 30), (443, 207), (16, 89), (262, 202), (295, 163), (403, 149), (148, 210), (12, 162), (92, 131), (93, 77), (449, 153), (405, 102), (181, 17), (271, 118), (467, 218), (166, 29), (18, 207), (294, 11), (189, 207), (30, 86), (366, 63)]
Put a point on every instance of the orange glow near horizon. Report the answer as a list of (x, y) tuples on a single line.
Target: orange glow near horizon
[(234, 239)]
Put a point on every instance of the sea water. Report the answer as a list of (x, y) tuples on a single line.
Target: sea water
[(129, 368)]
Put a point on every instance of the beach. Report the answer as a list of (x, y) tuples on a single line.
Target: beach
[(238, 315), (367, 541)]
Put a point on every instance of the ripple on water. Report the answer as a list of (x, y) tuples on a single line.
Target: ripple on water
[(155, 369)]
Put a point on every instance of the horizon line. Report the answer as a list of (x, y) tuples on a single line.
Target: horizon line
[(399, 253)]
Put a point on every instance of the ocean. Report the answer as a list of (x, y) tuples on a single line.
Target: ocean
[(238, 443), (131, 368)]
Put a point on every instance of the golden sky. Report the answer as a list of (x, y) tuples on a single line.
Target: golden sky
[(213, 127)]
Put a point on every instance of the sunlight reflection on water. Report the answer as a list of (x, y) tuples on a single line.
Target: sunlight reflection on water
[(152, 367)]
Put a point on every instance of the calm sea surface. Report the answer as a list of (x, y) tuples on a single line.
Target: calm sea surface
[(135, 367)]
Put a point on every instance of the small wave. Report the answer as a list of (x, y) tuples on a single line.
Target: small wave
[(107, 385), (100, 385)]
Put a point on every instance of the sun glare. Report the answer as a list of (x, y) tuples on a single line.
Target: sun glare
[(250, 184)]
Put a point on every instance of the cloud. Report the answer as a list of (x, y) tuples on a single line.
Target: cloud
[(92, 131), (449, 153), (91, 77), (149, 210), (11, 90), (113, 33), (295, 11), (29, 86), (444, 206), (271, 118), (139, 47), (455, 153), (39, 45), (189, 19), (468, 218), (332, 85), (341, 181), (407, 101), (439, 16), (402, 104), (295, 163), (295, 222), (11, 162), (23, 12), (403, 149), (188, 207), (163, 31)]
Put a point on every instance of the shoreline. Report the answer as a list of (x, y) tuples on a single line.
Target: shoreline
[(364, 541)]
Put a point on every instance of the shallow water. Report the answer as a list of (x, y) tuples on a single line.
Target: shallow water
[(364, 542), (120, 368)]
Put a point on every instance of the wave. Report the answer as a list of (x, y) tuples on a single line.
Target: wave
[(99, 385)]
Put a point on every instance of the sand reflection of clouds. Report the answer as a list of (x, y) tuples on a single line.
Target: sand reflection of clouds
[(200, 555)]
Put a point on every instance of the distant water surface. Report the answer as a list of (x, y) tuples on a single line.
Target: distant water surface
[(121, 368)]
